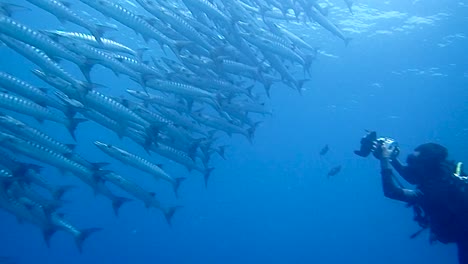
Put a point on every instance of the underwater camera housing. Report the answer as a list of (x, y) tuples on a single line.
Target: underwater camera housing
[(370, 141), (367, 144)]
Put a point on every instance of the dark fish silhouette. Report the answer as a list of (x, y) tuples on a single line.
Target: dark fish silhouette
[(324, 150), (334, 171)]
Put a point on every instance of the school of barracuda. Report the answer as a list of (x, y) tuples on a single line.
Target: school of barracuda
[(200, 74)]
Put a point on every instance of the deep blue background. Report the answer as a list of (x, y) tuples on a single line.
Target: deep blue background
[(271, 202)]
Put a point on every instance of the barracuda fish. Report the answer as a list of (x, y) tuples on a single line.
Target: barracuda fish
[(80, 235), (96, 101), (144, 69), (27, 132), (19, 190), (62, 11), (255, 73), (281, 69), (106, 44), (180, 120), (41, 59), (240, 116), (181, 158), (223, 125), (248, 106), (164, 126), (238, 12), (100, 57), (185, 90), (32, 109), (20, 32), (134, 22), (40, 153), (31, 214), (328, 25), (148, 198), (284, 32), (29, 91), (151, 117), (213, 84), (165, 101), (176, 22), (59, 83), (280, 49), (210, 10), (29, 173), (105, 111), (193, 150), (265, 34), (139, 163), (112, 109), (59, 161), (267, 13), (199, 65), (201, 61), (26, 209), (136, 135), (176, 66)]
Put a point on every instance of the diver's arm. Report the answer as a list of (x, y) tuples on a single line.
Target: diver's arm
[(390, 188), (398, 166)]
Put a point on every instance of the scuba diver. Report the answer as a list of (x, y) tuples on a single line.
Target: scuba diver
[(440, 199)]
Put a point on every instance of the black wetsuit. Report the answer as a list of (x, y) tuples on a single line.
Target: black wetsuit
[(437, 205)]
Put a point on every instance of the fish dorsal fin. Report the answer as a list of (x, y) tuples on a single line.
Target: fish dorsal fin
[(71, 146), (66, 3), (161, 166), (44, 90)]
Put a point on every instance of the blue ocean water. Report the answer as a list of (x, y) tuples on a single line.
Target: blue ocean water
[(404, 74)]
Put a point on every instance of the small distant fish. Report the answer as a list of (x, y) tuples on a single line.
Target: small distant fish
[(334, 171), (324, 150)]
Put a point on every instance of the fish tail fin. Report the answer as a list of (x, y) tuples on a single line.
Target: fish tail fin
[(169, 213), (99, 30), (57, 194), (206, 160), (192, 151), (152, 134), (206, 175), (83, 235), (308, 62), (73, 124), (140, 52), (71, 105), (85, 69), (97, 166), (47, 234), (221, 150), (347, 40), (251, 131), (299, 84), (249, 89), (177, 46), (25, 167), (176, 185), (117, 202)]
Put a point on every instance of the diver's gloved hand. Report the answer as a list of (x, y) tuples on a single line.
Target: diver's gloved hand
[(385, 148)]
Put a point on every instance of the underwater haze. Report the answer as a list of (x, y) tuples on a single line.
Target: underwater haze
[(404, 74)]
